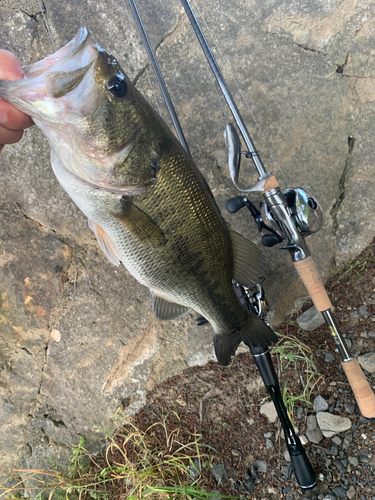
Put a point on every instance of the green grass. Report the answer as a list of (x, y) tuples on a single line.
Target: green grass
[(152, 464), (292, 352)]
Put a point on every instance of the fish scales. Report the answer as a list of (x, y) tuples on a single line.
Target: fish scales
[(147, 203)]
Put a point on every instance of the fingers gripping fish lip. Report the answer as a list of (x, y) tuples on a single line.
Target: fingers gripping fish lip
[(52, 77)]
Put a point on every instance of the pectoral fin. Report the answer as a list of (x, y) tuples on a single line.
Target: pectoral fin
[(249, 261), (165, 310), (137, 222), (105, 244)]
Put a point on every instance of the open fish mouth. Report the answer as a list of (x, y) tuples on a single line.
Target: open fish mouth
[(52, 78)]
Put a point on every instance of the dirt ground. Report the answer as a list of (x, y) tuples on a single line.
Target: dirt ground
[(222, 405)]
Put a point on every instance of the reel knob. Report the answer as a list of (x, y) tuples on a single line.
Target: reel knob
[(235, 204), (270, 240)]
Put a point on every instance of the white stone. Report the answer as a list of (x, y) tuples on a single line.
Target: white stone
[(332, 424), (269, 411), (310, 320), (367, 361)]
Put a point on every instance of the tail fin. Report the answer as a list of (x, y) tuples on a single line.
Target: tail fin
[(252, 331)]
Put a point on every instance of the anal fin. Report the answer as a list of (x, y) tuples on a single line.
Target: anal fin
[(105, 244), (166, 310), (249, 260)]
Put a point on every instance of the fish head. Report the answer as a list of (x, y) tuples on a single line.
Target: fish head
[(90, 111)]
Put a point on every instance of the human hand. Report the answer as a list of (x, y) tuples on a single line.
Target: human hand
[(12, 121)]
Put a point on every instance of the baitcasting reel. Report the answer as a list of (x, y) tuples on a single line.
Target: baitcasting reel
[(304, 210)]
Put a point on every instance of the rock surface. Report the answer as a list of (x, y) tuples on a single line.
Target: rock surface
[(331, 424), (367, 361), (269, 411), (77, 337), (310, 320)]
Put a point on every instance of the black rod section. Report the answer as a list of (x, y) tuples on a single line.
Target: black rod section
[(224, 88), (303, 470), (158, 75)]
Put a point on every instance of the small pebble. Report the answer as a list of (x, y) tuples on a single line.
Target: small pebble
[(353, 461), (334, 451), (363, 311), (320, 404), (269, 444), (249, 484), (349, 408), (337, 440), (261, 466), (340, 466), (339, 492), (329, 357), (219, 472)]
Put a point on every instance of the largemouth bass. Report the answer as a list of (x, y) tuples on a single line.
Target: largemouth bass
[(147, 203)]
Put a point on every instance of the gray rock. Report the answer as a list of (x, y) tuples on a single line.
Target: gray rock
[(353, 461), (367, 361), (300, 412), (195, 469), (320, 404), (219, 472), (349, 407), (314, 436), (269, 444), (329, 357), (250, 484), (339, 465), (351, 493), (339, 492), (310, 320), (363, 311), (269, 411), (334, 451), (332, 424), (261, 466), (313, 432), (337, 440), (312, 424)]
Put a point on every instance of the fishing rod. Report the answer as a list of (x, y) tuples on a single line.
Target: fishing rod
[(303, 470), (293, 214)]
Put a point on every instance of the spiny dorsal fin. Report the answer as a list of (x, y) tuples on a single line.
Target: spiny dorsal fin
[(166, 310), (105, 244), (249, 261)]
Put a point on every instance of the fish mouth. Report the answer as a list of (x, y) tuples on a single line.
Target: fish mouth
[(52, 78)]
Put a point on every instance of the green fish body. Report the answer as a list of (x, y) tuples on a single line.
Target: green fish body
[(147, 203)]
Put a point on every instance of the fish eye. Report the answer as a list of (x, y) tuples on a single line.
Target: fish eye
[(117, 86)]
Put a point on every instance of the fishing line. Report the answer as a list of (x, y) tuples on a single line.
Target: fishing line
[(131, 19), (230, 71), (47, 25)]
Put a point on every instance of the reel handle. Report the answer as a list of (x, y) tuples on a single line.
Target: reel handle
[(235, 204)]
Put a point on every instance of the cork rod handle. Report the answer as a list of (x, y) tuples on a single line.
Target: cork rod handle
[(309, 274), (362, 391)]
